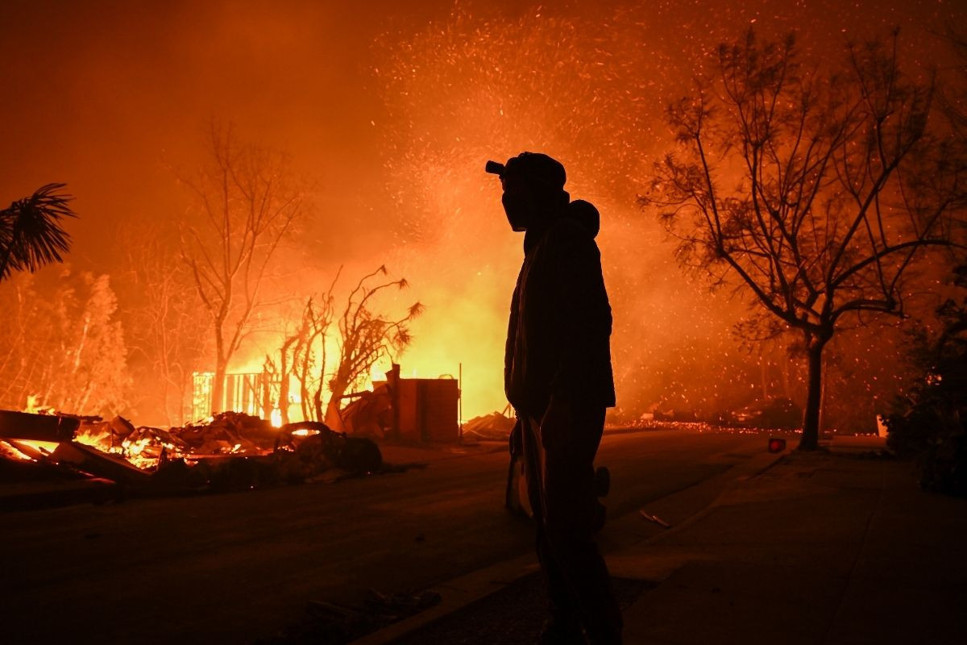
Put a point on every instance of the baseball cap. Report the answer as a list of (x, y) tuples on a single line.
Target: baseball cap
[(533, 168)]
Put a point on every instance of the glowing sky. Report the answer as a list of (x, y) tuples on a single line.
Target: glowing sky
[(391, 109)]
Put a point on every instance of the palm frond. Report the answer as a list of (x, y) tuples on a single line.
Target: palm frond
[(31, 233)]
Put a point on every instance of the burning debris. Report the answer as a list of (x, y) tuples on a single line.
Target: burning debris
[(228, 433), (490, 427), (232, 451)]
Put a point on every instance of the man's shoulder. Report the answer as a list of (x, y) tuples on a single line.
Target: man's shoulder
[(569, 234), (580, 222)]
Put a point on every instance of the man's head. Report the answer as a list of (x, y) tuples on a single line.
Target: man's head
[(533, 186)]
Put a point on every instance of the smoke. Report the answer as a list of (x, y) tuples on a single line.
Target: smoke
[(390, 110), (588, 93)]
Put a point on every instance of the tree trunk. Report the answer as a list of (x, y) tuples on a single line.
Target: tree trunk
[(218, 386), (221, 363), (184, 399), (284, 397), (814, 390), (333, 417)]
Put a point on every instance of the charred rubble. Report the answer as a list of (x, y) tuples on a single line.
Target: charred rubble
[(230, 452)]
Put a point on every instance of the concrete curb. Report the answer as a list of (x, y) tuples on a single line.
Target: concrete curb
[(745, 472), (455, 595), (460, 592)]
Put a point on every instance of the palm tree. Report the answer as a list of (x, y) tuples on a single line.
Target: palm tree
[(30, 230)]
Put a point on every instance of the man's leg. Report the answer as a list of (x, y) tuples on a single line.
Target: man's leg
[(570, 514), (562, 625)]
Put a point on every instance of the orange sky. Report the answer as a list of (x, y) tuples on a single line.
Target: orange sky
[(111, 96)]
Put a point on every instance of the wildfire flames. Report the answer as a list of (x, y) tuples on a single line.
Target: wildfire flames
[(426, 95), (145, 447), (232, 451), (26, 450)]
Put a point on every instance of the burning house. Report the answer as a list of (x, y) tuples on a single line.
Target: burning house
[(231, 451), (396, 408), (235, 449)]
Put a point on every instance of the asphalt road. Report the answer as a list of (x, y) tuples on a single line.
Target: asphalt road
[(232, 568)]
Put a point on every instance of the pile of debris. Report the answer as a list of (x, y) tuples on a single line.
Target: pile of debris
[(489, 427), (232, 451), (227, 433)]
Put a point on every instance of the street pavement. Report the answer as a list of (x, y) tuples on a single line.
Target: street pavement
[(239, 568), (838, 547)]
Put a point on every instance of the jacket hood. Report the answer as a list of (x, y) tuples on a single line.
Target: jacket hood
[(582, 213), (585, 213)]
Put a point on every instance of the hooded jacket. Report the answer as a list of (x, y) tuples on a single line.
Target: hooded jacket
[(558, 337)]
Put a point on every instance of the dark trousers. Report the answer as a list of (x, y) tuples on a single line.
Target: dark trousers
[(560, 476)]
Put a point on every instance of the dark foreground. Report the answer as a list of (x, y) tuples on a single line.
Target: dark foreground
[(825, 548), (241, 568)]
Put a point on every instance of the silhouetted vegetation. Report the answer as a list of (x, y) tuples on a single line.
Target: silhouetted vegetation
[(817, 189), (365, 335), (245, 201), (31, 233), (931, 423), (62, 345)]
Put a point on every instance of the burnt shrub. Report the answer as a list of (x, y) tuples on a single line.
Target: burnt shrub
[(929, 425)]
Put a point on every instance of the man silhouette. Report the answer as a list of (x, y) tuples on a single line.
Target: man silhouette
[(557, 375)]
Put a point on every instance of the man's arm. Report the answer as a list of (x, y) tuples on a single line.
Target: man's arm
[(583, 317)]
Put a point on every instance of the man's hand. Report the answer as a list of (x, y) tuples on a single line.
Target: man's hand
[(556, 424)]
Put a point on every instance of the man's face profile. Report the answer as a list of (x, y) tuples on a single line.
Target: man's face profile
[(518, 202)]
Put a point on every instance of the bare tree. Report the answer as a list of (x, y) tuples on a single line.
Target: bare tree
[(30, 230), (364, 337), (165, 327), (302, 356), (818, 191), (245, 202), (312, 358), (283, 370)]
